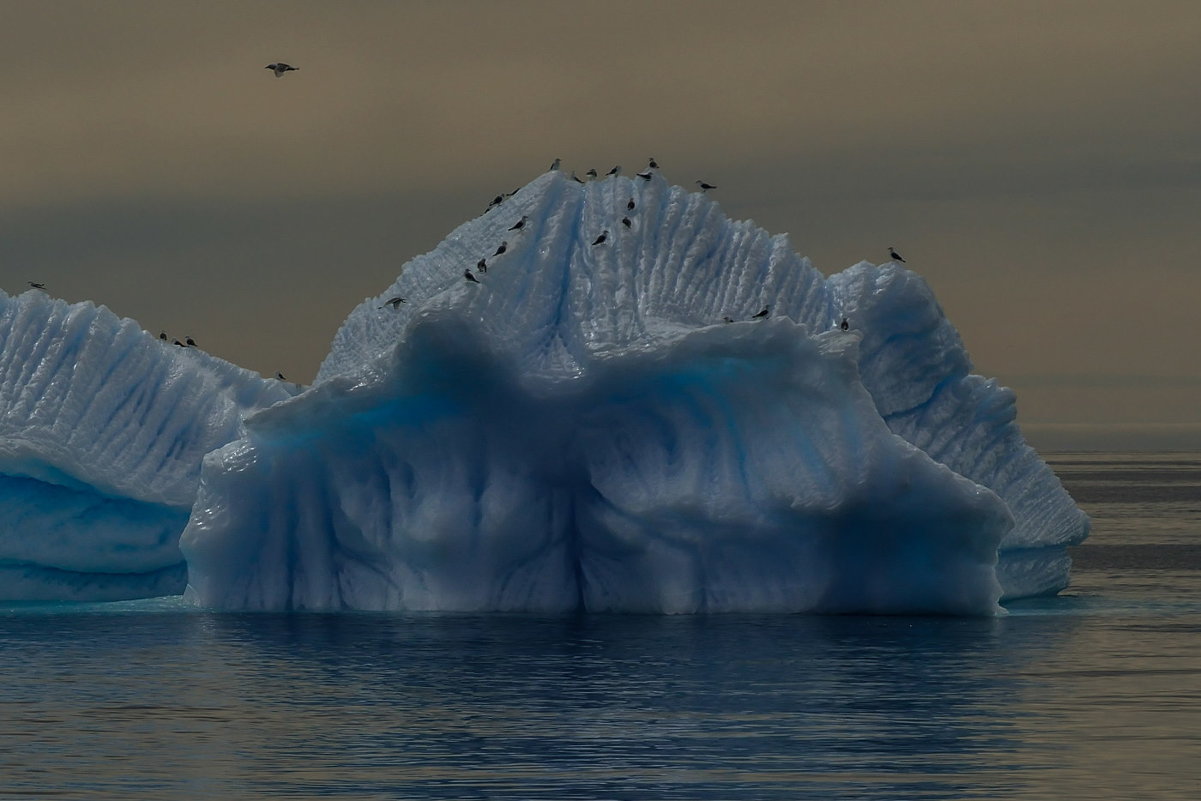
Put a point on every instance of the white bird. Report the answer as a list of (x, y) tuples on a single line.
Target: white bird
[(279, 68)]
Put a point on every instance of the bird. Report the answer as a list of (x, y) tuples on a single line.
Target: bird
[(844, 325), (653, 165), (554, 165), (630, 205), (279, 68), (280, 376), (761, 314), (496, 201), (894, 255), (177, 342), (517, 226), (600, 239), (482, 265), (503, 247), (646, 176), (625, 221), (190, 342), (704, 186), (470, 278), (162, 335), (576, 178), (727, 319), (591, 173), (615, 171), (36, 285), (393, 302)]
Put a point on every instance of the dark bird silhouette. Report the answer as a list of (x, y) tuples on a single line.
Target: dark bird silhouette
[(646, 176), (630, 205), (844, 325), (591, 173), (393, 302), (704, 186), (625, 221), (894, 255), (503, 247), (496, 201), (576, 178), (280, 376), (177, 342), (554, 165), (279, 68), (162, 335), (190, 342), (653, 165), (482, 265), (470, 278), (36, 285), (601, 239), (517, 226), (761, 314), (727, 319), (615, 171)]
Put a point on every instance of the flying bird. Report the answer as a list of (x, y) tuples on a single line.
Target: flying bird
[(393, 302), (600, 239), (704, 186), (279, 68), (36, 285), (482, 265), (625, 221), (761, 314), (844, 325), (630, 205), (554, 165), (503, 247), (894, 255), (517, 226), (615, 171), (470, 278)]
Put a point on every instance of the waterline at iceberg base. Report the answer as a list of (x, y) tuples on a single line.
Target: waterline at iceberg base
[(607, 422)]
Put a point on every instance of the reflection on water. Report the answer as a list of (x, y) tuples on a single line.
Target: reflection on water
[(1091, 695)]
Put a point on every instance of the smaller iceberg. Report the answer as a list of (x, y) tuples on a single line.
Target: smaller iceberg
[(660, 415), (102, 431)]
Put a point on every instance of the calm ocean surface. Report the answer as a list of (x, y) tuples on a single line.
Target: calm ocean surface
[(1092, 695)]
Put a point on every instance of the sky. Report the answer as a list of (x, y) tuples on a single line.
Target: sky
[(1039, 163)]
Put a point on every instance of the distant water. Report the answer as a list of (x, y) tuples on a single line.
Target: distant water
[(1092, 695)]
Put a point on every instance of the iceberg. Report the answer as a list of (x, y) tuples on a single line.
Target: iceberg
[(102, 432), (654, 414)]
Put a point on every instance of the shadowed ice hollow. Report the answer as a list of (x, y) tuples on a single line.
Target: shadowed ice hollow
[(584, 430)]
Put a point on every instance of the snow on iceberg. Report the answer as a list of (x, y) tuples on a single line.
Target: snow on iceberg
[(102, 431), (583, 429)]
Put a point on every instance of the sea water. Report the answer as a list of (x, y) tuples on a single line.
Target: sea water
[(1095, 694)]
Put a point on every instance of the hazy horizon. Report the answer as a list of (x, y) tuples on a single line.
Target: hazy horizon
[(1039, 164)]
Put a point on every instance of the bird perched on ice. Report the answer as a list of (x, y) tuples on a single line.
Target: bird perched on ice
[(393, 302), (576, 178), (503, 247), (630, 205), (554, 165), (615, 171), (894, 255), (652, 165), (191, 343), (625, 221), (727, 319), (705, 187), (760, 315), (646, 176), (279, 68), (496, 201), (844, 325), (280, 376), (591, 173), (36, 285), (517, 226), (482, 265), (177, 342), (470, 278), (601, 239)]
